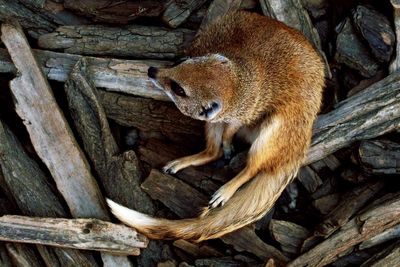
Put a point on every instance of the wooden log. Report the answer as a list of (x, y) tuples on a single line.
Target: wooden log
[(49, 131), (289, 235), (218, 9), (22, 255), (379, 157), (158, 118), (367, 114), (177, 11), (5, 259), (130, 41), (309, 178), (119, 174), (196, 250), (390, 256), (395, 65), (389, 234), (127, 76), (371, 222), (350, 204), (89, 234), (120, 12), (292, 13), (181, 198), (19, 169), (50, 134)]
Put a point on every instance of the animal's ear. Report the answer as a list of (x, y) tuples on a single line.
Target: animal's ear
[(219, 58)]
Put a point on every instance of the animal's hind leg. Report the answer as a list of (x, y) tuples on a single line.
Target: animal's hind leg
[(213, 150)]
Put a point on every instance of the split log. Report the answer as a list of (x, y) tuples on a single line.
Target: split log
[(292, 13), (89, 234), (119, 174), (18, 170), (395, 65), (127, 76), (50, 134), (350, 204), (49, 131), (130, 41), (177, 11), (389, 234), (367, 114), (181, 198), (379, 157), (289, 235), (120, 12), (218, 9), (158, 118), (369, 223)]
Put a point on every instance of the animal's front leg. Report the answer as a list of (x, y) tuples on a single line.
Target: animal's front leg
[(213, 150), (227, 136)]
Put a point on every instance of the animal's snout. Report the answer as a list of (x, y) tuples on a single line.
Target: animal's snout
[(210, 110), (152, 72)]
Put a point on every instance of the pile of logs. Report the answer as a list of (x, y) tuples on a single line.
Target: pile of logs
[(80, 121)]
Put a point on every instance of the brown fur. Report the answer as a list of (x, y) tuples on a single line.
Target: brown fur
[(267, 79)]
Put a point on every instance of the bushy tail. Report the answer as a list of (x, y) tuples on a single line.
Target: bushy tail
[(247, 205)]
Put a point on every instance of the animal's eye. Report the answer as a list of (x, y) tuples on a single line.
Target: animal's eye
[(177, 89)]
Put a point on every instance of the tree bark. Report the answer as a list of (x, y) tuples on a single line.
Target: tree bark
[(72, 233), (177, 11)]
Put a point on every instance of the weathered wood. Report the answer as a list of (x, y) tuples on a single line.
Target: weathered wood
[(349, 205), (218, 9), (119, 174), (376, 220), (89, 234), (367, 114), (158, 118), (289, 235), (389, 234), (181, 198), (177, 11), (390, 256), (130, 41), (27, 182), (120, 12), (49, 131), (128, 76), (379, 157), (292, 13), (5, 260), (395, 65), (22, 255), (309, 178), (222, 262), (326, 203), (196, 250)]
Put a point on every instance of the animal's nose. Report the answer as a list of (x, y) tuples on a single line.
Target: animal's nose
[(152, 72)]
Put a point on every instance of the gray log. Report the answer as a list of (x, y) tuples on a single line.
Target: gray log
[(72, 233), (390, 256), (177, 11), (130, 41), (362, 227), (119, 173), (292, 13), (22, 255), (35, 195), (389, 234), (379, 157), (219, 8), (395, 65)]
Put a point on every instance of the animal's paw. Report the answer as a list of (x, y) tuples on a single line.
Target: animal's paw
[(172, 167), (222, 195)]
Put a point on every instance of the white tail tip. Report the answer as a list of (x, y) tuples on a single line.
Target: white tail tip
[(130, 217)]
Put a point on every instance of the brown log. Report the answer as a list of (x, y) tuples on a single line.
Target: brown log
[(89, 234), (181, 198), (119, 174), (369, 223), (130, 41), (119, 12), (177, 11), (389, 234), (292, 13), (196, 250)]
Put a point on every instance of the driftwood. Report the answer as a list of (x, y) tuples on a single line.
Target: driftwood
[(130, 41), (389, 234), (181, 198), (18, 170), (50, 134), (49, 131), (128, 76), (177, 11), (292, 13), (395, 65), (390, 256), (119, 173), (72, 233), (351, 204), (120, 12), (369, 223), (367, 114), (379, 157)]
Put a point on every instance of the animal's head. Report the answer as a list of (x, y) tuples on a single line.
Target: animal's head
[(200, 87)]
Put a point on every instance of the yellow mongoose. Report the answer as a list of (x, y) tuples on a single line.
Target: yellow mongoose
[(256, 77)]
